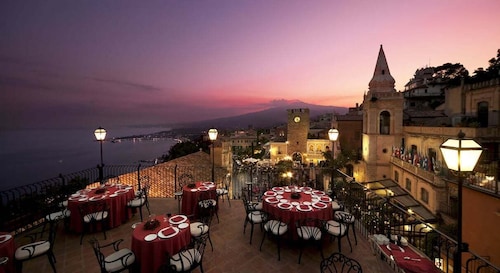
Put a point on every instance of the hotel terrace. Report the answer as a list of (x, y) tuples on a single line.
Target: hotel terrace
[(398, 186)]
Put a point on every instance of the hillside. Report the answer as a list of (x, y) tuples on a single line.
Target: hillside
[(262, 119)]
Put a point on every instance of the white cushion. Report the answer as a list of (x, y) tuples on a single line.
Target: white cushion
[(64, 203), (99, 215), (335, 228), (276, 227), (198, 228), (119, 260), (222, 191), (183, 260), (309, 232), (256, 217), (32, 250), (335, 205), (58, 215), (207, 203), (136, 202)]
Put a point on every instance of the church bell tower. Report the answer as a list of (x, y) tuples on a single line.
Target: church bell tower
[(382, 121)]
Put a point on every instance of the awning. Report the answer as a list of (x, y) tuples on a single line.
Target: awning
[(396, 194)]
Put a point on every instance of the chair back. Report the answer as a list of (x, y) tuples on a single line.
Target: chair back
[(249, 206), (93, 211), (309, 228), (339, 263)]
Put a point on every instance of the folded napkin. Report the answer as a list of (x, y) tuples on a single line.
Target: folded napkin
[(304, 207), (168, 231)]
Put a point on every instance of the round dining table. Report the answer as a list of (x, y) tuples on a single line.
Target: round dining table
[(290, 204), (151, 244), (7, 249), (116, 198), (192, 193)]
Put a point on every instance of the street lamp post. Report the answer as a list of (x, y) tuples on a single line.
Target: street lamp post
[(100, 135), (333, 135), (212, 135), (460, 155)]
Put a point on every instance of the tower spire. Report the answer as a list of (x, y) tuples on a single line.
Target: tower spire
[(382, 81)]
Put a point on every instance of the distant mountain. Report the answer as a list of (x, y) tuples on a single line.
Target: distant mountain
[(264, 119)]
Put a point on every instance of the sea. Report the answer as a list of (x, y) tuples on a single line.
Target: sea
[(32, 155)]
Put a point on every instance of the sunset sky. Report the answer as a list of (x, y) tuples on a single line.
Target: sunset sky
[(92, 63)]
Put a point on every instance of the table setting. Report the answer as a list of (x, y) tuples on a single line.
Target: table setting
[(291, 203), (191, 195), (158, 235), (115, 195)]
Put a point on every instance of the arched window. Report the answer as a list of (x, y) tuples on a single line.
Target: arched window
[(385, 123), (482, 113)]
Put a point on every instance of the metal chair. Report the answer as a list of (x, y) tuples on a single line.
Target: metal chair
[(140, 200), (336, 230), (275, 228), (347, 218), (38, 245), (183, 180), (253, 215), (339, 263), (93, 213), (223, 190), (116, 261), (189, 258), (309, 231)]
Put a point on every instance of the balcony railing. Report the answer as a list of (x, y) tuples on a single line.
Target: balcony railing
[(378, 215), (374, 214)]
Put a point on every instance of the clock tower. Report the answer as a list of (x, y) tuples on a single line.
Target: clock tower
[(297, 132)]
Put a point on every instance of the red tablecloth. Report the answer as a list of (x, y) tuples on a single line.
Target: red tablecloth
[(7, 249), (414, 263), (116, 197), (151, 254), (191, 196), (290, 216)]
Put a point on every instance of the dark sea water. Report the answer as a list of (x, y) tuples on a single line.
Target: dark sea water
[(28, 156)]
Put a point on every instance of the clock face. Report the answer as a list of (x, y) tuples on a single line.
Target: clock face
[(296, 119)]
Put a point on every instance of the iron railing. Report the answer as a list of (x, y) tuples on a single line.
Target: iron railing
[(378, 215)]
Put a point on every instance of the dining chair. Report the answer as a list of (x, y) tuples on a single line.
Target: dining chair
[(276, 228), (140, 200), (56, 211), (189, 258), (223, 190), (207, 205), (183, 180), (253, 215), (93, 213), (336, 230), (115, 259), (339, 263), (347, 218), (309, 231), (201, 226), (37, 244)]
